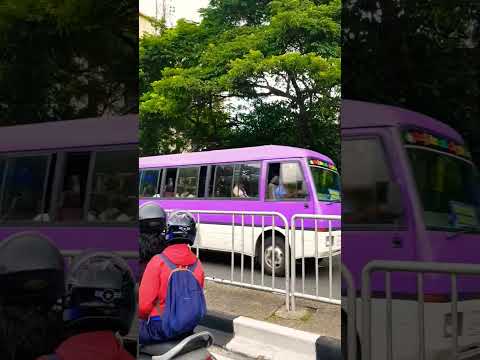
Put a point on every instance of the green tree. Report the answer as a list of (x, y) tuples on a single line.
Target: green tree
[(270, 64), (67, 59), (418, 55)]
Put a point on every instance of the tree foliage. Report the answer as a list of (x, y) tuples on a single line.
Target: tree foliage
[(249, 65), (421, 55), (67, 59)]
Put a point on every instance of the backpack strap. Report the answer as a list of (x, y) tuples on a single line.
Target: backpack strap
[(193, 266), (172, 267), (168, 262)]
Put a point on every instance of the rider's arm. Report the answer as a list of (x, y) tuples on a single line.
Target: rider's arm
[(149, 288)]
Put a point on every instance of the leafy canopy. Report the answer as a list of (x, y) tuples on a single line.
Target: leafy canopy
[(248, 65)]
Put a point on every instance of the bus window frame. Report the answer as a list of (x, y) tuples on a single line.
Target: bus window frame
[(58, 176), (177, 177), (207, 181), (308, 184), (158, 185), (7, 156), (89, 185), (380, 134), (231, 198)]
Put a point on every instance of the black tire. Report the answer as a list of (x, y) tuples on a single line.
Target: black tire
[(280, 257)]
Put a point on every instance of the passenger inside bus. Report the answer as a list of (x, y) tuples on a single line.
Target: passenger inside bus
[(285, 181), (240, 189), (220, 187), (169, 188)]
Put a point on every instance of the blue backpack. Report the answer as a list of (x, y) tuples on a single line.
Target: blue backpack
[(185, 304)]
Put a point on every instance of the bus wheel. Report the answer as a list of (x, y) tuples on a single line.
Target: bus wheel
[(277, 254)]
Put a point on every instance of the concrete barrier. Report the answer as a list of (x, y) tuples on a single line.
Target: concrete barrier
[(274, 342)]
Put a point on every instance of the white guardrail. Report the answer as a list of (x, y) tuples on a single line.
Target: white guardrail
[(236, 248), (454, 270), (330, 243)]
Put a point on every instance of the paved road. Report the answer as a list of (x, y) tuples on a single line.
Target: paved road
[(218, 264)]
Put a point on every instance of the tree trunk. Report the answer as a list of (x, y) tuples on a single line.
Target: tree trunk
[(305, 135)]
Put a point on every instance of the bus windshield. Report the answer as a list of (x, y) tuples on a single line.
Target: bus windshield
[(448, 188), (327, 184)]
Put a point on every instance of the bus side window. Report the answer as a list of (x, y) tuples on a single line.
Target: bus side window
[(168, 189), (187, 182), (273, 180), (291, 177), (223, 181), (23, 196), (72, 196), (149, 183), (366, 183), (246, 180), (285, 181), (114, 196)]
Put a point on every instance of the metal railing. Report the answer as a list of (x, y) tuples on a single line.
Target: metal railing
[(330, 240), (240, 219), (351, 313), (420, 268)]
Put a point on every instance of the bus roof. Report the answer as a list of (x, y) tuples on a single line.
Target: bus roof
[(255, 153), (359, 114), (70, 134)]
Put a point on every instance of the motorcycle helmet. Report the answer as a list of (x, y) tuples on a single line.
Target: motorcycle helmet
[(152, 219), (100, 293), (181, 228), (31, 270), (152, 231)]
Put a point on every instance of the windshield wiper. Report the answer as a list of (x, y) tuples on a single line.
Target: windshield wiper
[(466, 230)]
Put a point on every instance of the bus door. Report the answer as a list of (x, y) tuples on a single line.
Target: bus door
[(374, 205)]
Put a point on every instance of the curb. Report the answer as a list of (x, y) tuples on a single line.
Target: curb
[(260, 338)]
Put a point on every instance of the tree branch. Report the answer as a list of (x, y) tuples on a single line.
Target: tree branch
[(275, 91)]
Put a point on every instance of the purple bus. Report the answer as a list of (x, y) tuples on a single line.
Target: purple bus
[(410, 193), (72, 181), (269, 178)]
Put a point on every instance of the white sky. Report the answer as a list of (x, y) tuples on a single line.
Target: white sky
[(187, 9)]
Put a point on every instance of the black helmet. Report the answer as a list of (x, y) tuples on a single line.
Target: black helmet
[(100, 293), (181, 228), (152, 219), (31, 270)]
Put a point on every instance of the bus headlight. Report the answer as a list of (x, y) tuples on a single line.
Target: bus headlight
[(448, 325)]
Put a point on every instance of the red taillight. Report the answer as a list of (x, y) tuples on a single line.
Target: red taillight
[(210, 357)]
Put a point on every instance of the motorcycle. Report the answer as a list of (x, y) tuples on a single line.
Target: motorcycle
[(193, 347)]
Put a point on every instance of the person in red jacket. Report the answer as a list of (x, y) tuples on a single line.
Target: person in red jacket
[(180, 235)]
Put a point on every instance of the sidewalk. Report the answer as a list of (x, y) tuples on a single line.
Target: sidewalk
[(316, 317)]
